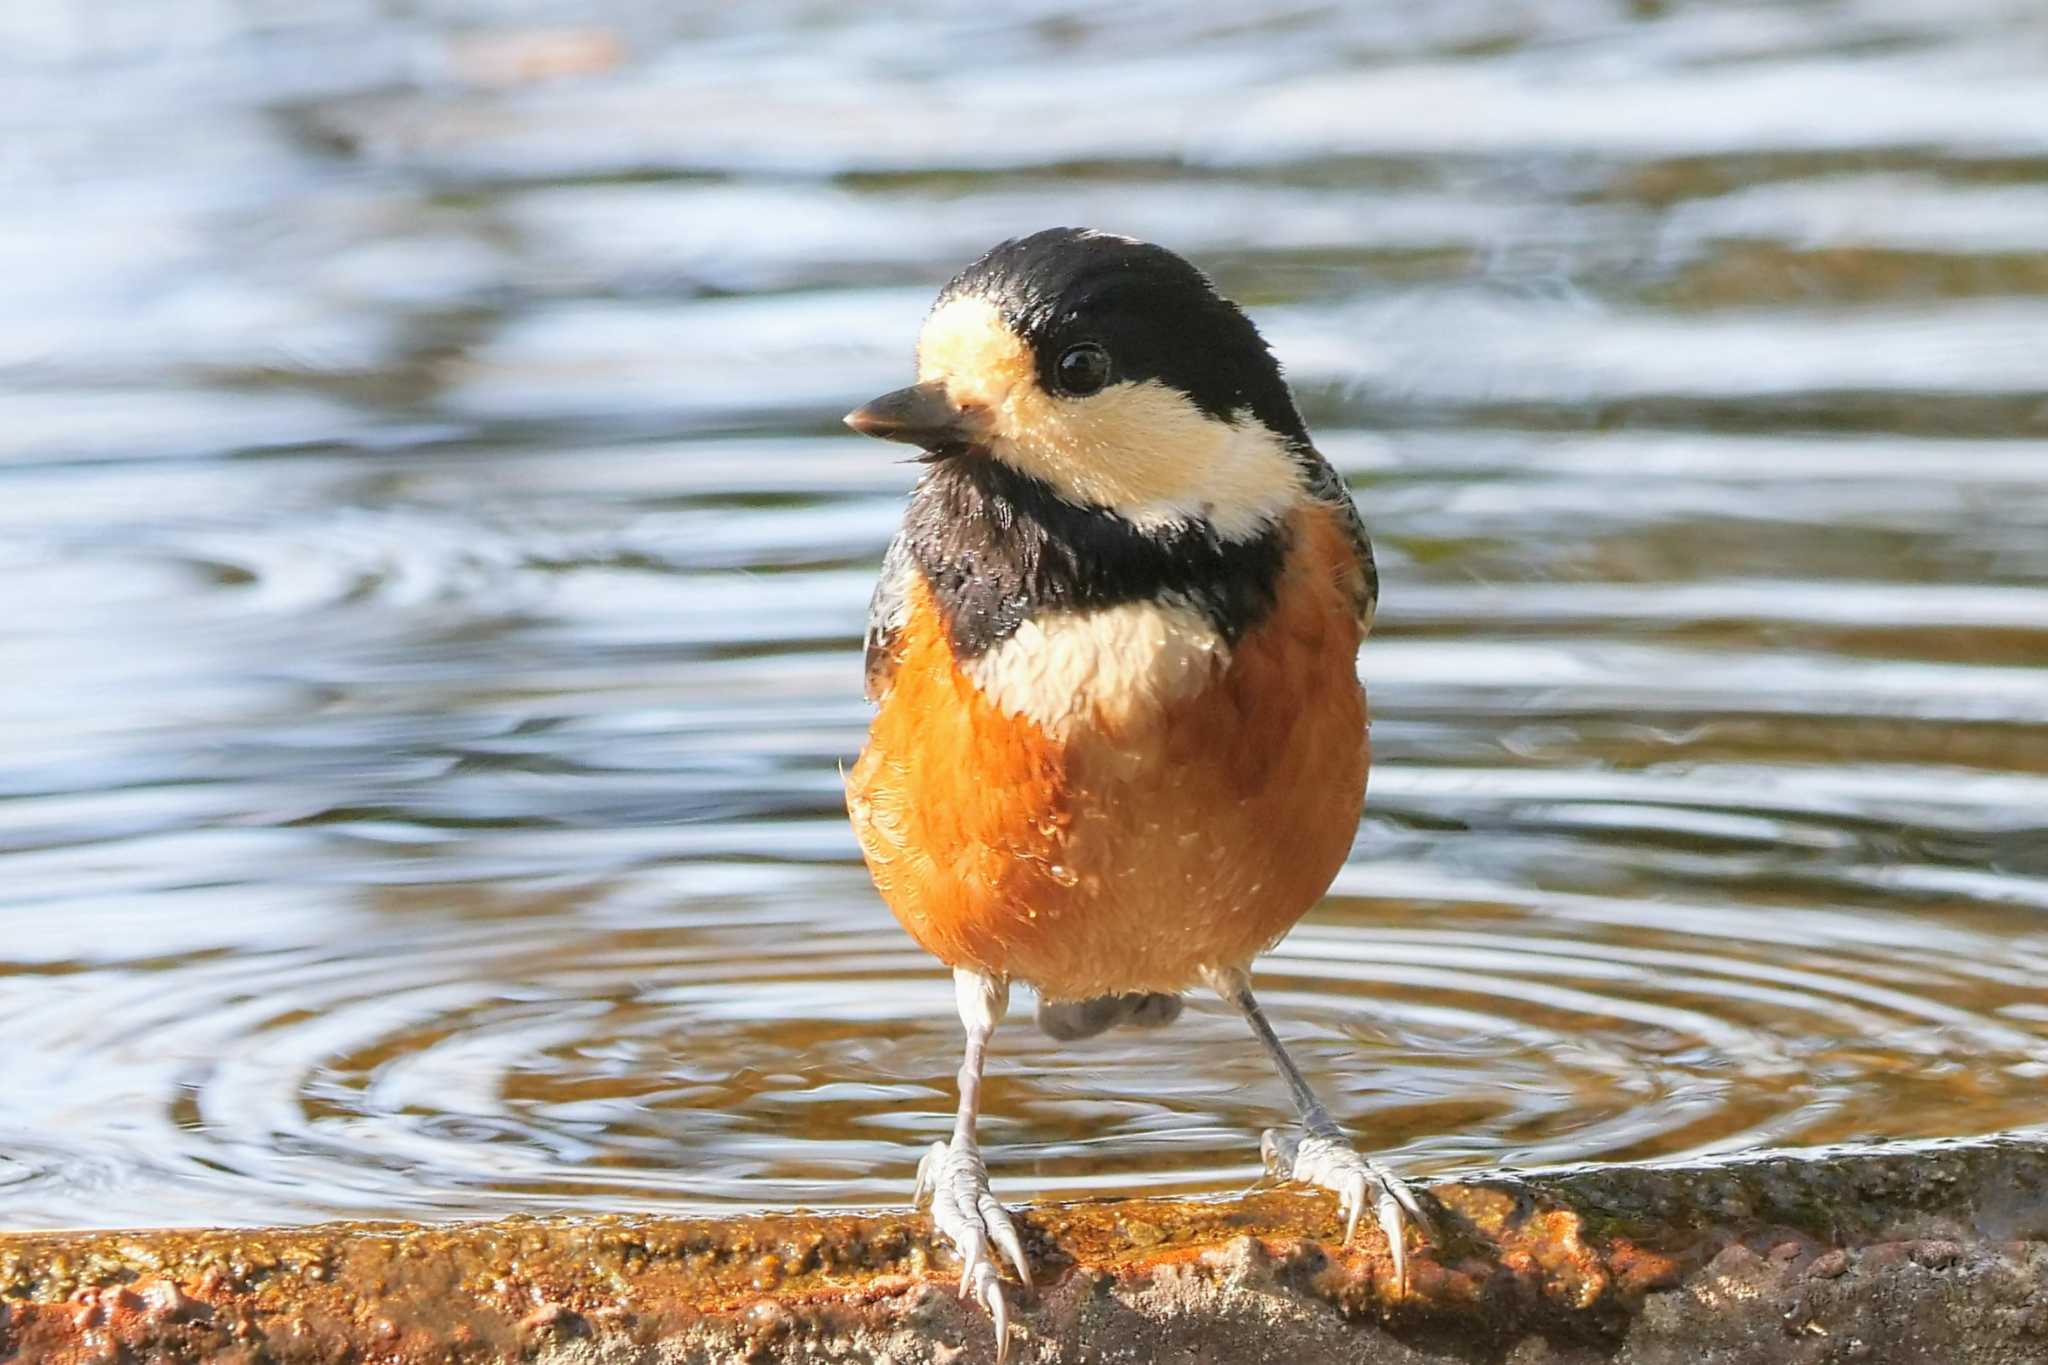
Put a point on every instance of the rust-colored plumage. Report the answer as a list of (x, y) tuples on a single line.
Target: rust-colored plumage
[(1130, 852)]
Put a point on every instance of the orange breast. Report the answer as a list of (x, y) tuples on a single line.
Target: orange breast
[(1132, 850)]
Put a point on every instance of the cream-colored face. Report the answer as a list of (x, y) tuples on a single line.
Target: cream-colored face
[(1142, 449)]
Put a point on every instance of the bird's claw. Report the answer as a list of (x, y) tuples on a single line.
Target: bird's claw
[(966, 1214), (1332, 1163)]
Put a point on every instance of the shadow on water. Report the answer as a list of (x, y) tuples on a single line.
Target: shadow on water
[(435, 577)]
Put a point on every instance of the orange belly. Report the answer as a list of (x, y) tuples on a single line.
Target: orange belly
[(1131, 850)]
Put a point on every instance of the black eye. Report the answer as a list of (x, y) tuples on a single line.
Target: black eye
[(1083, 369)]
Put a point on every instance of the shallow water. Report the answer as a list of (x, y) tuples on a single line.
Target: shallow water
[(435, 579)]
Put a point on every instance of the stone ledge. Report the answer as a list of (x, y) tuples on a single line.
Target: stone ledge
[(1927, 1252)]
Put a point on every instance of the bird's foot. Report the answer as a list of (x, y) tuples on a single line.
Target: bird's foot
[(1332, 1163), (966, 1214)]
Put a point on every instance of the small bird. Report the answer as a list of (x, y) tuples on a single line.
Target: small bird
[(1120, 743)]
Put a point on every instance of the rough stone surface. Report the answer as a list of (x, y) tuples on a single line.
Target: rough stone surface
[(1934, 1253)]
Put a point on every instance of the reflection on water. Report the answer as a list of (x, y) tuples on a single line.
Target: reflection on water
[(435, 578)]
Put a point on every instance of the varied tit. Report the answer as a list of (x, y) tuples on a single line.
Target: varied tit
[(1120, 745)]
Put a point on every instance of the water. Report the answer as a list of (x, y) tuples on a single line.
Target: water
[(434, 579)]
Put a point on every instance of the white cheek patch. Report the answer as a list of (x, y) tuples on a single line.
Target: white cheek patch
[(1110, 667), (1143, 450), (1146, 451)]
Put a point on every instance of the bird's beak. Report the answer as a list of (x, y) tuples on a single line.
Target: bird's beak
[(922, 415)]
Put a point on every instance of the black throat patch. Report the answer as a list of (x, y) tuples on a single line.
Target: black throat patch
[(996, 547)]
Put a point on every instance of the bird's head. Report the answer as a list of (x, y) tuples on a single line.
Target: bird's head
[(1112, 372)]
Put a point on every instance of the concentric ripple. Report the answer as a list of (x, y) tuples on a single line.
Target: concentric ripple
[(470, 1051), (435, 577)]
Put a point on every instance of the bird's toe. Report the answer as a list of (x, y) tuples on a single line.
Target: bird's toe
[(1333, 1164), (967, 1214)]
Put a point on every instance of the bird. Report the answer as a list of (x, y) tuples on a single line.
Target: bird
[(1120, 743)]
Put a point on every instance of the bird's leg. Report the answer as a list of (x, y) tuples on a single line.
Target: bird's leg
[(1320, 1154), (963, 1209)]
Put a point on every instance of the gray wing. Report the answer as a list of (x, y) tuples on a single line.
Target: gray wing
[(888, 611), (1327, 486)]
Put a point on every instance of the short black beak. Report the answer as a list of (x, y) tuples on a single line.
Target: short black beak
[(921, 415)]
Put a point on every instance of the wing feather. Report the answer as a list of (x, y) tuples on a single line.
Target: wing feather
[(1327, 486), (888, 611)]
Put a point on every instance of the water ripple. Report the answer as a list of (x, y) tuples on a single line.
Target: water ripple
[(436, 576)]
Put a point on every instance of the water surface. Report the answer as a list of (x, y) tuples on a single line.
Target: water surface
[(435, 576)]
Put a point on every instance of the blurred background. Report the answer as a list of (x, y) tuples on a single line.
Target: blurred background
[(434, 573)]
